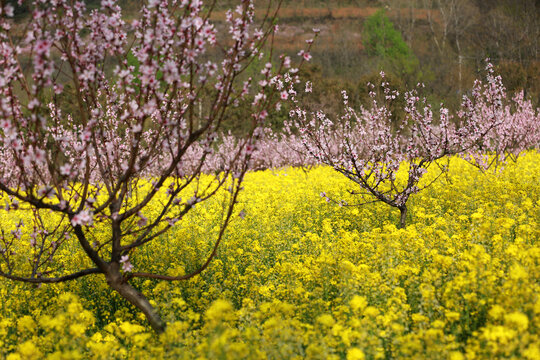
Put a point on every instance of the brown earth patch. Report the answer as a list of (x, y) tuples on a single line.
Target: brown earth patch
[(340, 13)]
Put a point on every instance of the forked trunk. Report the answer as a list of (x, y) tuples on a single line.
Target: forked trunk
[(128, 292)]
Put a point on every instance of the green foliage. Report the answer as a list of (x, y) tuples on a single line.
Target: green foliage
[(383, 41)]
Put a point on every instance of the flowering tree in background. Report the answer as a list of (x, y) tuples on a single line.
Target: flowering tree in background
[(74, 173), (369, 149), (493, 127)]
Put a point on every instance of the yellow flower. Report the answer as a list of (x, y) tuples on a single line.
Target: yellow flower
[(532, 352), (358, 303), (419, 318), (129, 329), (220, 310), (326, 320), (355, 354), (452, 315), (28, 350), (456, 355), (77, 329), (26, 324), (371, 311), (517, 320), (518, 272)]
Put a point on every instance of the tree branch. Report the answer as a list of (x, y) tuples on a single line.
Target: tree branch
[(52, 280)]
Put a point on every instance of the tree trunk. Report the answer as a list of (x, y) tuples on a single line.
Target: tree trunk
[(403, 217), (128, 292)]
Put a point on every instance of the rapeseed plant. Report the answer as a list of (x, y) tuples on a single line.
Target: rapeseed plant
[(298, 278)]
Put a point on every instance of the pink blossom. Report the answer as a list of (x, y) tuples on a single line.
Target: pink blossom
[(43, 47), (306, 55), (153, 3), (9, 10), (84, 218), (65, 170), (86, 136), (107, 3), (242, 214), (46, 191), (34, 103), (126, 264), (287, 62)]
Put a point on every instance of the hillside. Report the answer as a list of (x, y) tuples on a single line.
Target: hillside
[(448, 39)]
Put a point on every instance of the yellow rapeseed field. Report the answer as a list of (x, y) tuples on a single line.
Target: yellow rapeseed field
[(298, 277)]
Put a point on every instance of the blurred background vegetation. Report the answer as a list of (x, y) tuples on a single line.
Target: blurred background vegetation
[(441, 43)]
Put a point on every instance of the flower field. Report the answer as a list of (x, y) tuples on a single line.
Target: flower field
[(297, 277)]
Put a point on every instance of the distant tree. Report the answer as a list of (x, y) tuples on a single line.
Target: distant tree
[(382, 40)]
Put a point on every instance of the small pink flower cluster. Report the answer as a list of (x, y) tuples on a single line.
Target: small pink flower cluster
[(83, 218)]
